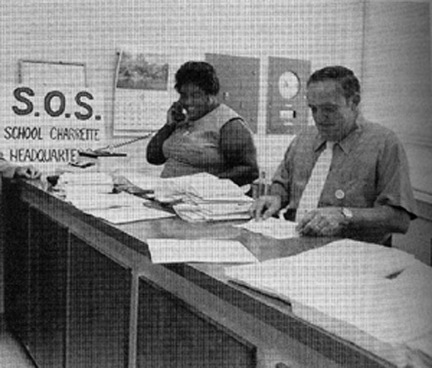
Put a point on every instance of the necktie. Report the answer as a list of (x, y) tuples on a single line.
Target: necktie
[(312, 192)]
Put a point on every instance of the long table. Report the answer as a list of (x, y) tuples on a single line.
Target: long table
[(83, 293)]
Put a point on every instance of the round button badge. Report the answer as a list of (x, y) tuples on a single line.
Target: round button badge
[(339, 194)]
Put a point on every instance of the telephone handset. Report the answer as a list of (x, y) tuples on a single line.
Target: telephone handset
[(178, 112)]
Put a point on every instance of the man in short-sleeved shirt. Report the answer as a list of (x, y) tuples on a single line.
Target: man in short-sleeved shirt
[(367, 194)]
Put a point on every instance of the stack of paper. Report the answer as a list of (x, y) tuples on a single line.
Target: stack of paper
[(382, 291), (93, 194), (192, 212), (202, 185), (204, 197)]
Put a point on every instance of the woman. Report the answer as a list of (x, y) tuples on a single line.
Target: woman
[(202, 134)]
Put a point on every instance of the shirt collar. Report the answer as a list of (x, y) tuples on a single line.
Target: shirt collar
[(345, 144)]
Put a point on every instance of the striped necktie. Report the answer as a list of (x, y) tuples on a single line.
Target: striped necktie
[(312, 192)]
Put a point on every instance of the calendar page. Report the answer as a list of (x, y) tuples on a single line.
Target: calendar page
[(141, 95)]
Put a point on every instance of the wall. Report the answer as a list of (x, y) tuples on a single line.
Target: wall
[(398, 94), (397, 78), (324, 32)]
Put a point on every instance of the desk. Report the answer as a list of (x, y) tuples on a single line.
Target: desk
[(83, 293)]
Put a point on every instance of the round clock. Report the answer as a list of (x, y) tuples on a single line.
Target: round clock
[(289, 85)]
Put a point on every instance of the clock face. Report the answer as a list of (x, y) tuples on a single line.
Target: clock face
[(289, 85)]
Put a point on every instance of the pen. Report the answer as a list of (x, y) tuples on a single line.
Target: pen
[(262, 185)]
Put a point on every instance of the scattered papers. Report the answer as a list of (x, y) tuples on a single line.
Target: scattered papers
[(99, 201), (92, 193), (144, 181), (215, 251), (86, 178), (272, 227), (380, 290), (124, 215), (87, 183)]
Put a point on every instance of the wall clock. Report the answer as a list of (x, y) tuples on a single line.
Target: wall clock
[(289, 85)]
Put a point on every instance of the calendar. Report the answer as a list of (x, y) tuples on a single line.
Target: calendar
[(141, 95)]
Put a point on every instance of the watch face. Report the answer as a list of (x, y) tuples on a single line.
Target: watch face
[(289, 85)]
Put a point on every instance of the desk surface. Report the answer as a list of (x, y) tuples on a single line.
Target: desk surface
[(334, 341)]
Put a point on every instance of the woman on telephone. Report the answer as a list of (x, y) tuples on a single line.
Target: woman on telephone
[(201, 134)]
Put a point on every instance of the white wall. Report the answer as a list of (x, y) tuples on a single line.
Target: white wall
[(397, 79), (324, 32)]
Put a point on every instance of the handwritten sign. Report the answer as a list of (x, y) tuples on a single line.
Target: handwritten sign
[(48, 126)]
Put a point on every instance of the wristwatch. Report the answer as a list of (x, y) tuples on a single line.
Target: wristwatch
[(347, 213)]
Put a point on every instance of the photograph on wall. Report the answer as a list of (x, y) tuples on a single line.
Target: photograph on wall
[(141, 96), (141, 71)]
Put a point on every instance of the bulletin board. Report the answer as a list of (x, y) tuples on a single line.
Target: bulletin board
[(50, 115), (50, 73), (141, 93)]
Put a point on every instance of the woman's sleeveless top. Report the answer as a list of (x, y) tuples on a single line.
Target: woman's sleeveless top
[(194, 149)]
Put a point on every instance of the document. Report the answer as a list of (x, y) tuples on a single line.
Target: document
[(97, 201), (272, 227), (383, 291), (122, 215), (200, 187), (144, 181), (86, 178), (201, 250)]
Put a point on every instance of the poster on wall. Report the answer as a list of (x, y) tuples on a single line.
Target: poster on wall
[(47, 126), (141, 96)]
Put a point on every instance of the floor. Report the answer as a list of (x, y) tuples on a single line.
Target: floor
[(12, 354)]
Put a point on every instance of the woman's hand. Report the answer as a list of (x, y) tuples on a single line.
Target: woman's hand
[(176, 114)]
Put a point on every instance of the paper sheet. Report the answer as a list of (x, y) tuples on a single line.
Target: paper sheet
[(98, 201), (215, 251), (272, 227), (201, 186), (144, 181), (129, 214), (349, 281), (86, 178)]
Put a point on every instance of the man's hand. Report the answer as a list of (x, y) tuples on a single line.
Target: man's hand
[(27, 172), (265, 206), (327, 221)]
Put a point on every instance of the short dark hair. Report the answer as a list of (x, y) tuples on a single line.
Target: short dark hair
[(199, 73), (345, 77)]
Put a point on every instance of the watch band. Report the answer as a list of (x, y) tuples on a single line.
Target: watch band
[(346, 213)]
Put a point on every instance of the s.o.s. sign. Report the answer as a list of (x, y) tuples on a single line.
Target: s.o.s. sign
[(45, 125)]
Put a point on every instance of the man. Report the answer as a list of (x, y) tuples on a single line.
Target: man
[(366, 193), (9, 170)]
